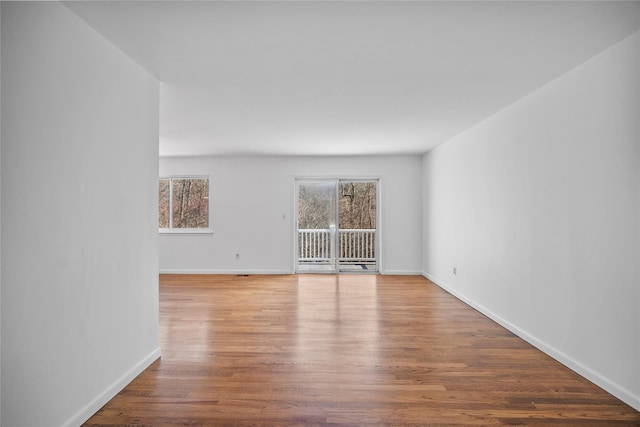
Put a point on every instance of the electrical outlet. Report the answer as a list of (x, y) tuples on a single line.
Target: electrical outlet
[(237, 256), (455, 271)]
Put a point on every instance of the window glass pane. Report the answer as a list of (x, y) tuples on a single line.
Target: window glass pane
[(190, 203), (357, 205), (163, 202), (316, 209)]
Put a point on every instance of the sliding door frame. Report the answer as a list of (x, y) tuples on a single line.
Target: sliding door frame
[(337, 179)]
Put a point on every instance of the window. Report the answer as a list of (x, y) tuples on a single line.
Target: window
[(183, 204)]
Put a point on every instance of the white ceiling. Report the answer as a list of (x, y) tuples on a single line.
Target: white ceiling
[(340, 78)]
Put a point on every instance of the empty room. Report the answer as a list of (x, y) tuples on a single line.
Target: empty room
[(331, 213)]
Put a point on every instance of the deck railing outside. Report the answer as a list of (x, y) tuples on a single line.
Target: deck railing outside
[(353, 246)]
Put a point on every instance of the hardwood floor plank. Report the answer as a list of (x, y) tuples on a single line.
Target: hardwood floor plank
[(345, 350)]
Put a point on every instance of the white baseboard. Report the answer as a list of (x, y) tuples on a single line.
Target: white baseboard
[(401, 273), (225, 272), (610, 386), (103, 398), (236, 272)]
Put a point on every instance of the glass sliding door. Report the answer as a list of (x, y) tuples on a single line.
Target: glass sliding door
[(357, 236), (337, 225), (316, 225)]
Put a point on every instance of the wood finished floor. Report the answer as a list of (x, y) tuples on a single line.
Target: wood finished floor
[(345, 350)]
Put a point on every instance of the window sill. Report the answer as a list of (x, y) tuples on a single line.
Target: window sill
[(185, 231)]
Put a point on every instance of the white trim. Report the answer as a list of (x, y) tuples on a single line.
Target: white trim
[(401, 273), (296, 223), (379, 214), (225, 272), (610, 386), (185, 231), (103, 398)]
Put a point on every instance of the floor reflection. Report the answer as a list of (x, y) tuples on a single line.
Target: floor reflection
[(337, 321)]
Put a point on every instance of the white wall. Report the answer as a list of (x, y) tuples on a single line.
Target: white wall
[(0, 218), (538, 209), (249, 196), (79, 217)]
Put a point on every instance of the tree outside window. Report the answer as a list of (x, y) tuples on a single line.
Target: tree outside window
[(183, 203)]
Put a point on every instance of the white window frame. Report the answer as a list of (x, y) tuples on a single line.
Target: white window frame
[(170, 230)]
